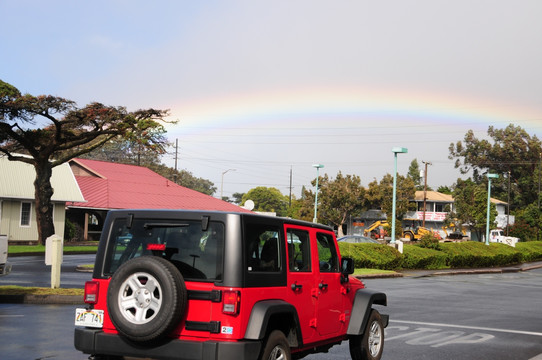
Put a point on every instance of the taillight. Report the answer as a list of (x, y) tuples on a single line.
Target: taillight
[(91, 292), (231, 300)]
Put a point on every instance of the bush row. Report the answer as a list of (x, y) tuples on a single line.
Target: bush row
[(468, 254)]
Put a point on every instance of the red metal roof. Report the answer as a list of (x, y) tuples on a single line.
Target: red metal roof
[(107, 185)]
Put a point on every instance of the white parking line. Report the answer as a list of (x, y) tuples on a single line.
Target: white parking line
[(539, 357)]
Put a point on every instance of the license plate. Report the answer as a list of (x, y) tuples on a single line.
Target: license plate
[(89, 318)]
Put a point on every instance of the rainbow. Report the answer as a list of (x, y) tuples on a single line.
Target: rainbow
[(348, 107)]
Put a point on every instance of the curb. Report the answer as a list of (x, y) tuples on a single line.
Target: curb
[(42, 299)]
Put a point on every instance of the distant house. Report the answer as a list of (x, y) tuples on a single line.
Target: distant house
[(17, 204), (437, 207), (106, 186)]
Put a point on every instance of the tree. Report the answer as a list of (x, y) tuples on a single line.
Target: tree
[(470, 207), (52, 130), (512, 153), (414, 174), (267, 199), (380, 195), (339, 198), (237, 198)]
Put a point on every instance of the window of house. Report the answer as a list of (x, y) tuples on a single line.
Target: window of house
[(25, 213)]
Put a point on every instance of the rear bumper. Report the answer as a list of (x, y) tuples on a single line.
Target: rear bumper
[(95, 341)]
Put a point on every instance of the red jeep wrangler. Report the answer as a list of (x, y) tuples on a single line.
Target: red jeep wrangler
[(172, 284)]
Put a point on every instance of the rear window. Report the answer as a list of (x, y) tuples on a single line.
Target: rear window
[(194, 249)]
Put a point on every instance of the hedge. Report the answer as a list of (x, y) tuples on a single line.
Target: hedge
[(416, 257), (375, 256), (470, 254)]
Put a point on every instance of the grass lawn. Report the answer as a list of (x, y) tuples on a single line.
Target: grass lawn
[(40, 249), (372, 272)]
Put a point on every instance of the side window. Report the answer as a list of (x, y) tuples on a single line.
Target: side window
[(299, 250), (263, 248), (327, 254), (25, 213)]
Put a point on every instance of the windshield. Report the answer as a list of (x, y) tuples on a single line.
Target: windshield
[(196, 252)]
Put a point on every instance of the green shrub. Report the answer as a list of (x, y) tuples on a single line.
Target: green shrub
[(374, 256), (417, 257), (531, 251), (473, 254), (429, 241)]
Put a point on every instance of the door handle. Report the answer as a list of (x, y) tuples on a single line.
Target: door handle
[(296, 287), (322, 286)]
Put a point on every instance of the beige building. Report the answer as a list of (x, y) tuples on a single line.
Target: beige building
[(17, 204)]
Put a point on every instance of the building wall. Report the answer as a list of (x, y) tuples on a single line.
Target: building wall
[(10, 221)]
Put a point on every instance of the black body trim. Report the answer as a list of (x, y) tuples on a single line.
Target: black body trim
[(361, 309), (262, 313), (211, 326), (95, 341)]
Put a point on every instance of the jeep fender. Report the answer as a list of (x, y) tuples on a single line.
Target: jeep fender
[(262, 314), (361, 309)]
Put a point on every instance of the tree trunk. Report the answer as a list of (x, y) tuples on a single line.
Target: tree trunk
[(44, 206)]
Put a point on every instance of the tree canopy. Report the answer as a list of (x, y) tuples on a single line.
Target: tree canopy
[(51, 130), (470, 207), (267, 199), (512, 153), (339, 198)]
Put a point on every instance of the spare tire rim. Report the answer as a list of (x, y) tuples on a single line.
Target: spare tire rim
[(140, 298)]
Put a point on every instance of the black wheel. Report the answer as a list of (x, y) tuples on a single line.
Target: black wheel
[(276, 347), (370, 345), (409, 236), (146, 298)]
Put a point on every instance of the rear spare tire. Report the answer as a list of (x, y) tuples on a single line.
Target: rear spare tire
[(146, 298)]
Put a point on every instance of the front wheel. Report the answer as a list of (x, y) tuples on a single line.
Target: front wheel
[(370, 345), (276, 347)]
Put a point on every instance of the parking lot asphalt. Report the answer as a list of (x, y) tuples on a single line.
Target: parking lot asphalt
[(75, 299)]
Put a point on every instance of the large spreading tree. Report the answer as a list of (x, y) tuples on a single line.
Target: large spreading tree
[(46, 131)]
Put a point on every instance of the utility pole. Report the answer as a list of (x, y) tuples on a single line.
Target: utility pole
[(425, 190), (290, 202), (176, 152)]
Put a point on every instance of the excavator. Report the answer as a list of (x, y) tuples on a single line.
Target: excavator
[(376, 230), (412, 233)]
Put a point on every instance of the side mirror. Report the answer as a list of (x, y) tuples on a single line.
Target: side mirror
[(347, 266)]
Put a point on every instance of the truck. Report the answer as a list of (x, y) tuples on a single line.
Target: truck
[(5, 266), (498, 236)]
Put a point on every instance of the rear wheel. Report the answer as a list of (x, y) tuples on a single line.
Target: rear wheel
[(276, 347), (146, 298), (370, 345)]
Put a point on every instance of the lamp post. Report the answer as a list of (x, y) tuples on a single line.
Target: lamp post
[(222, 183), (489, 177), (318, 167), (395, 150)]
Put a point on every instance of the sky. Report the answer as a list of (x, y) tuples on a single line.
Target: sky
[(263, 90)]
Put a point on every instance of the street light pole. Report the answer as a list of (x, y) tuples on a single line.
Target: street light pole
[(395, 150), (222, 183), (318, 167), (489, 177)]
